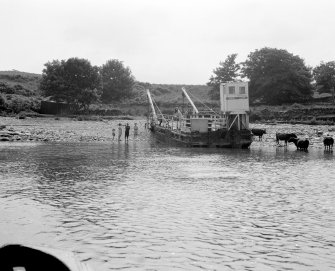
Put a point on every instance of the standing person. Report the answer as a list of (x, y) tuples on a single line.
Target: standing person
[(126, 135), (113, 133), (135, 130), (120, 132)]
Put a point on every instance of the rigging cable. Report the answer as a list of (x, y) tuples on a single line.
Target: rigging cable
[(158, 109), (203, 103)]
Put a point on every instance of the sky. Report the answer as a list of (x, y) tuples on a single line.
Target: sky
[(162, 41)]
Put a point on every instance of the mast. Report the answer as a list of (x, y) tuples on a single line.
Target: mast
[(189, 99), (152, 105)]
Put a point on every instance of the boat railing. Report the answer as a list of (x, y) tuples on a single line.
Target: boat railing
[(183, 123)]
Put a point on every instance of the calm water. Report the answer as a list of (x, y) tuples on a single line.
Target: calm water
[(143, 206)]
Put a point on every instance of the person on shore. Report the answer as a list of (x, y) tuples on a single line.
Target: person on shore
[(120, 132), (126, 135), (135, 130), (113, 133)]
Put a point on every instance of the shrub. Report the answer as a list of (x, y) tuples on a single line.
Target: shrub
[(17, 103), (2, 102), (17, 87), (128, 112), (138, 112), (5, 88), (254, 116)]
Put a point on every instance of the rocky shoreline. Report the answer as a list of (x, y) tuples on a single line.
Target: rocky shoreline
[(11, 135), (65, 129), (57, 129), (294, 114)]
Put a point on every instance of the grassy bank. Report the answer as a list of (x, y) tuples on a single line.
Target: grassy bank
[(19, 92)]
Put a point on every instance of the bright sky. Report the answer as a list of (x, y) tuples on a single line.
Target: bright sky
[(162, 41)]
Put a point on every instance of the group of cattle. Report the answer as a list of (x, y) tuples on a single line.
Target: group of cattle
[(301, 144)]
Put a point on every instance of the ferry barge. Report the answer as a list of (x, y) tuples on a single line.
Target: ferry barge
[(228, 128)]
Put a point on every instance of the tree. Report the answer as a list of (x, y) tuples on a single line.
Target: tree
[(227, 71), (277, 76), (88, 96), (117, 81), (324, 75), (74, 81)]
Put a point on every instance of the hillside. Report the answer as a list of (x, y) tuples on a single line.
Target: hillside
[(16, 73), (19, 91), (22, 80), (169, 94), (162, 93)]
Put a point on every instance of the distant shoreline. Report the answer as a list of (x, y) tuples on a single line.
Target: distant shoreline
[(61, 129), (48, 128)]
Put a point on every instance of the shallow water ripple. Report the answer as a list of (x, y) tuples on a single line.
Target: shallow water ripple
[(143, 206)]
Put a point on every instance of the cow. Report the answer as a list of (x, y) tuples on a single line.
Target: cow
[(300, 143), (285, 137), (258, 132), (328, 142)]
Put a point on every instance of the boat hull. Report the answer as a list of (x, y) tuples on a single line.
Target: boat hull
[(222, 138), (21, 257)]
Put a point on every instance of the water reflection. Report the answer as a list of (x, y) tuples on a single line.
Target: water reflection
[(146, 206)]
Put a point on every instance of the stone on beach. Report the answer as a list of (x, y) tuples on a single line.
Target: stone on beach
[(61, 130)]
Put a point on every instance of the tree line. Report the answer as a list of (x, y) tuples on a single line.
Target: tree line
[(275, 76), (76, 81)]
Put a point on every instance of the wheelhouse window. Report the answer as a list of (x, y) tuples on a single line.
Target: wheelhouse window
[(231, 90), (242, 90)]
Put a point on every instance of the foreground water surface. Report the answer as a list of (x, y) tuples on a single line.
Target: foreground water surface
[(146, 206)]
